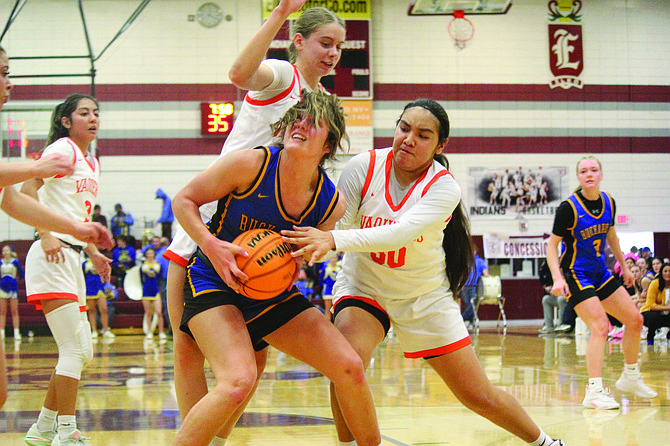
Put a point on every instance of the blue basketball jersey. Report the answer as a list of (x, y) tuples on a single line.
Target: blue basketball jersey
[(584, 243), (260, 207)]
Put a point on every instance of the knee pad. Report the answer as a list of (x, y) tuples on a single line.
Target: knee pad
[(72, 334)]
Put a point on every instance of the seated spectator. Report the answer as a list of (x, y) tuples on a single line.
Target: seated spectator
[(656, 310), (549, 302), (123, 258), (121, 221), (656, 263), (155, 244)]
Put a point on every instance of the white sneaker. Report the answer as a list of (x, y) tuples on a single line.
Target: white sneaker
[(75, 439), (643, 332), (94, 334), (108, 334), (17, 334), (555, 443), (162, 335), (599, 399), (36, 438), (636, 386), (563, 328), (545, 330)]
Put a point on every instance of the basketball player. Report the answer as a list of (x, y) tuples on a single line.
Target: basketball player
[(274, 188), (30, 211), (585, 224), (407, 254), (54, 276), (274, 86)]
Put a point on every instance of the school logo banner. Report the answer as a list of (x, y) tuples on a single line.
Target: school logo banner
[(566, 55)]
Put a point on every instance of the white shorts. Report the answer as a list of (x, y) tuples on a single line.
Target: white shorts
[(9, 294), (427, 325), (182, 247), (47, 280)]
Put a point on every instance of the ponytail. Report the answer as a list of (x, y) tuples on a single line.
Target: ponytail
[(457, 244)]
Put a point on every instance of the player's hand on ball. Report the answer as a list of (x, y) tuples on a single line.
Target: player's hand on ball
[(313, 243), (222, 255)]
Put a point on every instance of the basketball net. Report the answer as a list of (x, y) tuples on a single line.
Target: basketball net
[(461, 29)]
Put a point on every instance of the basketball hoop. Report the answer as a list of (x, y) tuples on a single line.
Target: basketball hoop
[(461, 29)]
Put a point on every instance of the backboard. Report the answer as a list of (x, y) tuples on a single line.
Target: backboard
[(447, 7)]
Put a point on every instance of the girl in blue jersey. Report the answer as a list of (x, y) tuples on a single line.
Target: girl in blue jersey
[(10, 271), (274, 188), (584, 224)]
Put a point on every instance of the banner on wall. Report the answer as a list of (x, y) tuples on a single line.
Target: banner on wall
[(522, 192), (359, 125), (566, 49), (499, 246), (347, 9)]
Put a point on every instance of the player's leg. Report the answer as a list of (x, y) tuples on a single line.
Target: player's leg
[(465, 377), (364, 332), (311, 339), (621, 306), (222, 336)]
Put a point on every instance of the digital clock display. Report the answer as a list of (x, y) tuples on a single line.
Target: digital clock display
[(216, 118)]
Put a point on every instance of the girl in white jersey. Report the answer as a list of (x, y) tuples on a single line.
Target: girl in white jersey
[(407, 253), (274, 86), (54, 277), (30, 211)]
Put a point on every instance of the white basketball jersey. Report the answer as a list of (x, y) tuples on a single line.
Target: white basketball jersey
[(72, 196), (262, 108), (407, 258)]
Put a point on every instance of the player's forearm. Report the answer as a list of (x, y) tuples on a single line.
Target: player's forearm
[(31, 212)]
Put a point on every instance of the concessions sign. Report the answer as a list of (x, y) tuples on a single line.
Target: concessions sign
[(499, 246)]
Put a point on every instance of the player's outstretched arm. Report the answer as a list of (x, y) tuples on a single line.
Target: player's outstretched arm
[(32, 212), (45, 167)]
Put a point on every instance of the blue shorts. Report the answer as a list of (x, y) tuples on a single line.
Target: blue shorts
[(204, 290), (585, 285)]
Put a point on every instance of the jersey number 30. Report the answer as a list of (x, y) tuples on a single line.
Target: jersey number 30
[(392, 259)]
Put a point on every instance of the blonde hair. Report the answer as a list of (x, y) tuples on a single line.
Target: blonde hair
[(584, 158), (308, 22), (318, 105)]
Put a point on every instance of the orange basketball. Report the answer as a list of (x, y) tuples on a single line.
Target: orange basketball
[(269, 266)]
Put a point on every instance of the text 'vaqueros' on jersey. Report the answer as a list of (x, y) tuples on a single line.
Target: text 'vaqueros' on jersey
[(393, 235), (71, 196)]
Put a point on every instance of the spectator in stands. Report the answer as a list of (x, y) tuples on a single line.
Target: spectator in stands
[(549, 302), (656, 310), (646, 278), (656, 263), (121, 221), (10, 271), (469, 292), (123, 258), (98, 217), (637, 285), (155, 244), (167, 217)]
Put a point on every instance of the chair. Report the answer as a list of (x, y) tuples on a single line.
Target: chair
[(489, 292)]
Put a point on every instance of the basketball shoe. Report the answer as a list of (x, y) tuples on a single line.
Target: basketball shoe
[(75, 439), (36, 438), (636, 386), (599, 399)]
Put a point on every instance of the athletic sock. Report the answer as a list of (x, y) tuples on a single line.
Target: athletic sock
[(218, 441), (631, 370), (595, 384), (542, 440), (46, 420), (347, 443), (67, 424)]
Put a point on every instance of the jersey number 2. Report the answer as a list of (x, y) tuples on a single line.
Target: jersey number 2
[(389, 258)]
